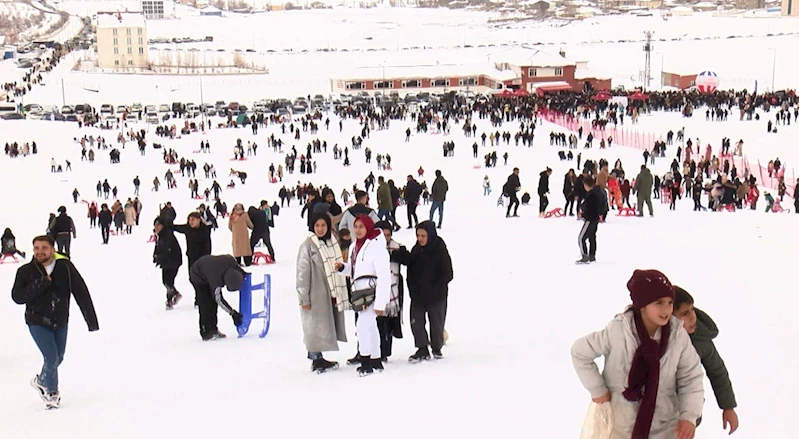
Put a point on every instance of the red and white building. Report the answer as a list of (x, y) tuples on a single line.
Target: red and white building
[(532, 70)]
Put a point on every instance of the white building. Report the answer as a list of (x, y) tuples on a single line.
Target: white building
[(153, 9), (121, 40)]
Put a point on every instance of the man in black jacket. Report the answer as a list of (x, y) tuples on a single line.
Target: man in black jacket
[(590, 214), (261, 218), (105, 219), (429, 274), (543, 191), (45, 286), (208, 276), (510, 188), (198, 237), (167, 255), (64, 230), (413, 190)]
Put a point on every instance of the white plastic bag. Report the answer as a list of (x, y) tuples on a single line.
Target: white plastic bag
[(598, 422)]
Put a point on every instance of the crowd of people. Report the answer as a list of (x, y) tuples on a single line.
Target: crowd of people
[(351, 260)]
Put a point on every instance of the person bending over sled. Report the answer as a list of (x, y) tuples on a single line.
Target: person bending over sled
[(208, 276)]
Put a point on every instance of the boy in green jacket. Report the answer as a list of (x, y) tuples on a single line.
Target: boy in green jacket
[(703, 330)]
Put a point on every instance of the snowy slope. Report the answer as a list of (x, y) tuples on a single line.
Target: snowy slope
[(516, 305)]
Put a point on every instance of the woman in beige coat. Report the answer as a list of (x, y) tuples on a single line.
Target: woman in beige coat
[(130, 216), (239, 224)]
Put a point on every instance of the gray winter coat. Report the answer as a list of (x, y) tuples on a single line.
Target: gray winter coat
[(680, 392), (323, 324)]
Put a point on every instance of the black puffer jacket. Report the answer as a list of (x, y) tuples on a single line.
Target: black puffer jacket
[(198, 241), (167, 252), (46, 299), (429, 269)]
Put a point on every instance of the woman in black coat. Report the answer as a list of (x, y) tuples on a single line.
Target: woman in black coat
[(429, 274), (167, 255), (568, 191)]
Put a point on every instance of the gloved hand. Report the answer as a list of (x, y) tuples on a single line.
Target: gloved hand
[(237, 318)]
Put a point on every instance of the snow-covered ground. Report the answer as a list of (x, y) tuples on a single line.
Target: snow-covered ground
[(30, 22), (516, 304)]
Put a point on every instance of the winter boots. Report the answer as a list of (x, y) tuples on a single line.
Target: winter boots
[(213, 335), (354, 360), (321, 365), (419, 356), (369, 366), (172, 297), (586, 260)]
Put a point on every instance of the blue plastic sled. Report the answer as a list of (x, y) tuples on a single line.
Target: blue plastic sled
[(245, 304)]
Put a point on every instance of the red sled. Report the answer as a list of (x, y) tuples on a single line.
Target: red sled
[(627, 211), (199, 197), (259, 258), (555, 213), (728, 207), (153, 238), (273, 180), (9, 255), (196, 151)]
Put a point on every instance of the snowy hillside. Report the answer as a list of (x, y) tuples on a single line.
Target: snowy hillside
[(516, 304)]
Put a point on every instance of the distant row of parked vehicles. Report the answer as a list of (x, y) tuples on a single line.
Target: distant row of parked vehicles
[(284, 108)]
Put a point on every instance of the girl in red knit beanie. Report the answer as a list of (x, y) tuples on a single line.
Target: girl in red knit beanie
[(652, 375)]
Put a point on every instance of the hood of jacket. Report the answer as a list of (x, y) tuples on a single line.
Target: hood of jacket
[(706, 328), (359, 209)]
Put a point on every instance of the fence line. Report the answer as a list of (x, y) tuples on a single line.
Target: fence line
[(645, 141)]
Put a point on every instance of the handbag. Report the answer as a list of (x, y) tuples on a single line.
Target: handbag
[(598, 422), (363, 298)]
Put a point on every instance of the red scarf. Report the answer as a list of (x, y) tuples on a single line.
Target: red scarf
[(371, 233), (644, 377)]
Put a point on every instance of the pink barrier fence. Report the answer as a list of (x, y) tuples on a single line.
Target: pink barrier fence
[(641, 140)]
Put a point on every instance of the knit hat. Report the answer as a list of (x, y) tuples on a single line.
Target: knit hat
[(647, 286)]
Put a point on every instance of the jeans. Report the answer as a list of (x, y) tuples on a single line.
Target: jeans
[(63, 241), (385, 214), (439, 206), (412, 214), (52, 344), (105, 231)]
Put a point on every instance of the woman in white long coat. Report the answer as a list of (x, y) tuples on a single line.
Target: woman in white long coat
[(652, 375), (369, 262), (322, 294)]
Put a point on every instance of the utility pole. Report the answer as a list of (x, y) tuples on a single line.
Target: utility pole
[(648, 63), (63, 96)]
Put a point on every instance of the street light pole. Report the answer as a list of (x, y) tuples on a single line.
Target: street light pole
[(773, 67)]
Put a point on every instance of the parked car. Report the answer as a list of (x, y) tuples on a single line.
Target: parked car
[(67, 109), (152, 117), (12, 116)]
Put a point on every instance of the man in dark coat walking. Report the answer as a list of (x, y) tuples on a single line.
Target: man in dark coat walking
[(543, 191), (510, 188), (413, 190), (261, 219), (167, 255)]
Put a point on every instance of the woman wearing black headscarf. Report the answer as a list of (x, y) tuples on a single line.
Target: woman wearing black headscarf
[(429, 274)]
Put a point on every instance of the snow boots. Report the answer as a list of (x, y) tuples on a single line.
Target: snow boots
[(213, 335), (172, 297), (419, 356), (321, 365)]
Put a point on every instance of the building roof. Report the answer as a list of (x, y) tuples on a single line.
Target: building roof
[(434, 71), (586, 73), (120, 19), (530, 58), (551, 86)]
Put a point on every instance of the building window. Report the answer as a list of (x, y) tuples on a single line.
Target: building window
[(114, 31), (355, 85), (130, 62), (413, 83), (116, 50), (129, 41), (116, 62), (127, 31), (465, 82), (533, 72), (116, 40), (141, 41), (130, 51), (383, 84), (439, 83), (141, 50), (139, 31), (558, 71)]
